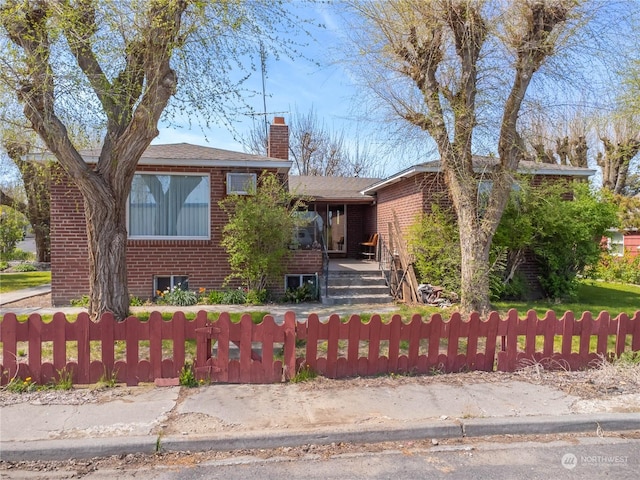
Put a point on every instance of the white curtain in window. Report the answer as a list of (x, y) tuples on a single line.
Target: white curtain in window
[(169, 206)]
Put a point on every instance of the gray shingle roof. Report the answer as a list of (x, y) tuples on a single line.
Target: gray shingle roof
[(525, 166), (188, 154), (480, 164), (331, 188)]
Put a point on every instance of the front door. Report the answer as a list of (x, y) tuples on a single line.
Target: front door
[(336, 228)]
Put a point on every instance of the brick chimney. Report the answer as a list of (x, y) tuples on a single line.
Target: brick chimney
[(278, 139)]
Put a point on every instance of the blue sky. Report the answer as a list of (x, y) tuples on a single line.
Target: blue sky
[(291, 85), (300, 85)]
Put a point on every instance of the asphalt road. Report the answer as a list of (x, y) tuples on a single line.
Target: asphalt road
[(545, 458), (497, 462), (27, 245)]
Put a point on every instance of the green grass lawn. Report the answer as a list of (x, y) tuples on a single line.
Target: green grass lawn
[(16, 281), (594, 297)]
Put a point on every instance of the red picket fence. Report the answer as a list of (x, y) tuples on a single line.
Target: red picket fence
[(268, 352)]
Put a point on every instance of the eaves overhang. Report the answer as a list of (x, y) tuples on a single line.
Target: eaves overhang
[(525, 168)]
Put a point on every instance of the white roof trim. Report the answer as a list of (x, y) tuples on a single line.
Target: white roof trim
[(434, 167), (409, 172)]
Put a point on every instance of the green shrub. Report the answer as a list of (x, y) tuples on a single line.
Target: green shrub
[(214, 297), (305, 373), (234, 297), (256, 297), (135, 301), (629, 358), (108, 380), (434, 241), (187, 376), (64, 381), (562, 234), (303, 293), (25, 267), (12, 229), (81, 302), (259, 230), (613, 268), (3, 265), (178, 296), (18, 255), (18, 385)]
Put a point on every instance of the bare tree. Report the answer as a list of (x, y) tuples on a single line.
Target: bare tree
[(36, 178), (432, 56), (563, 141), (613, 138), (117, 62), (317, 150), (620, 139)]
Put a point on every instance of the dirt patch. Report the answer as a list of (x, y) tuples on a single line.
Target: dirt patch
[(39, 301), (602, 382)]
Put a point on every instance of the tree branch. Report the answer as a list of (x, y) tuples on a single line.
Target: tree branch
[(26, 26), (9, 201), (160, 39)]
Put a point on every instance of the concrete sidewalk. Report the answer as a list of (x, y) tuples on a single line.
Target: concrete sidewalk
[(276, 309), (226, 417), (16, 295)]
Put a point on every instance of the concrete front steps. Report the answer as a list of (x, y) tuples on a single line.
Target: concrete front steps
[(350, 288)]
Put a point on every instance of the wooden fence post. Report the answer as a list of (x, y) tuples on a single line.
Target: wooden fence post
[(289, 367), (9, 335)]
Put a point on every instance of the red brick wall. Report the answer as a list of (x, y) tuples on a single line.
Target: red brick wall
[(417, 194), (278, 139), (203, 261), (408, 198), (301, 262), (69, 251)]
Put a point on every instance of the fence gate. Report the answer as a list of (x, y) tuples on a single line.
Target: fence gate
[(242, 352)]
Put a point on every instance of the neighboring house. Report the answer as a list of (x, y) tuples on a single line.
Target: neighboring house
[(169, 245), (622, 241), (626, 240)]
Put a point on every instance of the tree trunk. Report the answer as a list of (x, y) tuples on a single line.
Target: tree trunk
[(132, 102), (43, 243), (474, 279), (107, 241), (474, 256)]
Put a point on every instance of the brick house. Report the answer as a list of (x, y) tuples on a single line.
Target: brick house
[(347, 216), (170, 244), (623, 241)]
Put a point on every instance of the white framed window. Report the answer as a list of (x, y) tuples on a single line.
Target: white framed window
[(164, 283), (616, 244), (169, 206), (241, 183)]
